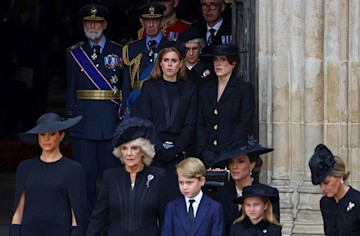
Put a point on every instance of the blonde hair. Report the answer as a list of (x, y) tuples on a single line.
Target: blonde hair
[(268, 217), (146, 147), (157, 73), (191, 167), (339, 169)]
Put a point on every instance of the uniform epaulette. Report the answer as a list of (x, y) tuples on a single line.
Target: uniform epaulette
[(76, 45), (116, 43), (186, 22), (140, 33)]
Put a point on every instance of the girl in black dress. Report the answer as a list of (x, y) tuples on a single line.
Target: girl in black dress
[(169, 101), (50, 194), (257, 212), (340, 207)]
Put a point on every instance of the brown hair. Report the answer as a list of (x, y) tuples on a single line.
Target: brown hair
[(258, 163), (157, 73), (339, 169)]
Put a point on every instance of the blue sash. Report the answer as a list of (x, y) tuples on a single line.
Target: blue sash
[(91, 71), (136, 93)]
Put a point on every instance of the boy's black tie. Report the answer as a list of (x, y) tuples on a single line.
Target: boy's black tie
[(191, 212)]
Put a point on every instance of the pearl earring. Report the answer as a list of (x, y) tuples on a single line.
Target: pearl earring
[(250, 172)]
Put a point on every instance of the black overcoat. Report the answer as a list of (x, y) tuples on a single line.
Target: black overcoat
[(222, 122)]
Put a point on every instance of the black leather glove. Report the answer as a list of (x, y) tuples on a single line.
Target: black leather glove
[(15, 230), (209, 157)]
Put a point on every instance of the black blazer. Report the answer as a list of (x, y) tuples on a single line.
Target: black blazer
[(229, 120), (225, 29), (152, 107)]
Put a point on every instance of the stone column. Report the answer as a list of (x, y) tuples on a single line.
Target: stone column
[(308, 218), (308, 72)]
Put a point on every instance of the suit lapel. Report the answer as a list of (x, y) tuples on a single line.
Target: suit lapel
[(212, 92), (229, 89), (201, 213), (182, 214)]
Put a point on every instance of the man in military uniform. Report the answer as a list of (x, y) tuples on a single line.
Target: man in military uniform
[(139, 56), (172, 27), (216, 29), (94, 83)]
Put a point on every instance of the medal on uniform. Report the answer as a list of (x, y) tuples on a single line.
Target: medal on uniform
[(112, 61), (94, 56)]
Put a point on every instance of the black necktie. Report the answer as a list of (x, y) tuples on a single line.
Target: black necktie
[(191, 212), (96, 52), (152, 44), (211, 36)]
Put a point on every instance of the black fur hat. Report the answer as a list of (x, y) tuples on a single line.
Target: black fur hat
[(134, 128)]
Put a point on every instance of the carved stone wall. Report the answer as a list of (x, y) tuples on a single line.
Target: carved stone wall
[(307, 56)]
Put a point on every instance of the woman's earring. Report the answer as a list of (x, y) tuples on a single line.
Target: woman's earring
[(250, 172)]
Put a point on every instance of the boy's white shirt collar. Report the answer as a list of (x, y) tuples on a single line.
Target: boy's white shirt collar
[(197, 199)]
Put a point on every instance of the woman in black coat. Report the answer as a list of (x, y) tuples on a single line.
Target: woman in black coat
[(340, 205), (131, 199), (170, 103), (226, 106)]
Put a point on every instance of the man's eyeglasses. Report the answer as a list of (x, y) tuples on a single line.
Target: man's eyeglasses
[(212, 5)]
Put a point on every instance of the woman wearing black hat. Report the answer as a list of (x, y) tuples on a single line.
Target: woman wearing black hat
[(226, 106), (131, 199), (50, 195), (257, 212), (340, 207), (170, 103), (244, 164), (198, 72)]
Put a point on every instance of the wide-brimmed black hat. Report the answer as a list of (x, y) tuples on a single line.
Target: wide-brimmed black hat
[(222, 50), (151, 10), (321, 163), (93, 12), (48, 123), (134, 128), (258, 190), (239, 148)]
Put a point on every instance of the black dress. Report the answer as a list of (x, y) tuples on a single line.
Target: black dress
[(246, 227), (342, 218), (222, 122), (51, 191), (128, 211)]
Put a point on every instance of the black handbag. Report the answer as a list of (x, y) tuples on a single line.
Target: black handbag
[(217, 177)]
